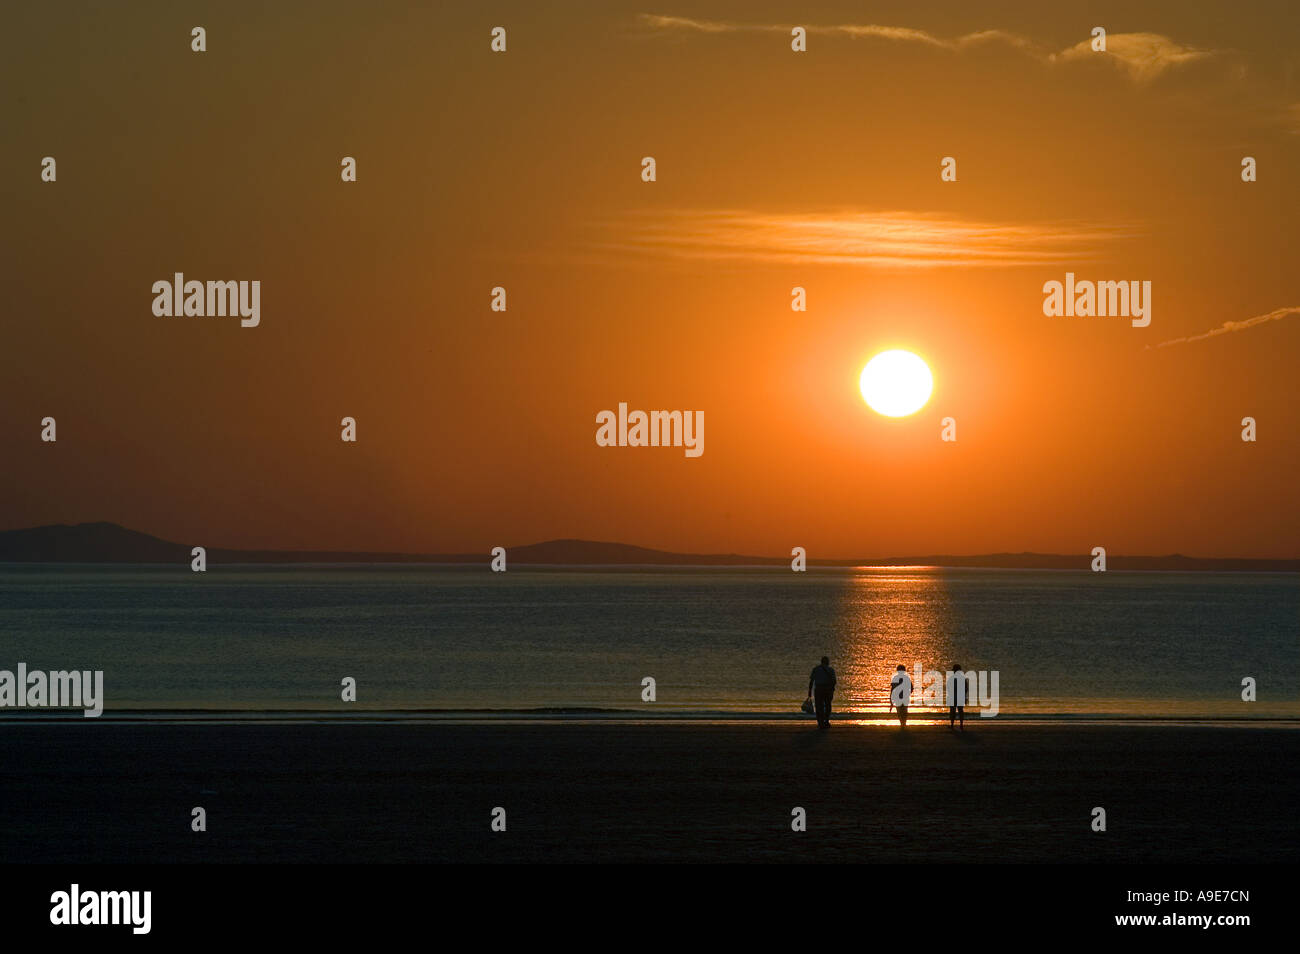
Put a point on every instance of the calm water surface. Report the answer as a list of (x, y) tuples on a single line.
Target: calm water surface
[(425, 637)]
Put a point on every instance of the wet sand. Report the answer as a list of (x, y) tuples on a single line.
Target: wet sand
[(113, 792)]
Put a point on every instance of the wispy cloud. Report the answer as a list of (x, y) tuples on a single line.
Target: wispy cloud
[(1228, 327), (1143, 56), (657, 22), (855, 238)]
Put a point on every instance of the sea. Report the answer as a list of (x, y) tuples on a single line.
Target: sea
[(654, 641)]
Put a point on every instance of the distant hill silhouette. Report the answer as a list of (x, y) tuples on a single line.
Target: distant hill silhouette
[(87, 543), (110, 543)]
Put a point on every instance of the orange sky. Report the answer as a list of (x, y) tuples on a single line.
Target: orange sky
[(775, 169)]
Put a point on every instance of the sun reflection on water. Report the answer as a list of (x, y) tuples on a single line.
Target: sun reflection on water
[(891, 616)]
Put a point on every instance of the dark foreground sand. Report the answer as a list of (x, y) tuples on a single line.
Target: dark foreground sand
[(108, 792)]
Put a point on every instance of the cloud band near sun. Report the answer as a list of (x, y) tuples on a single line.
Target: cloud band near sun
[(854, 238), (1143, 56)]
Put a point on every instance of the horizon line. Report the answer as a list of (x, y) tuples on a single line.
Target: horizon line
[(681, 558)]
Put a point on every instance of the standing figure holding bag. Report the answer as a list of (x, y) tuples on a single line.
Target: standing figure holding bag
[(821, 687)]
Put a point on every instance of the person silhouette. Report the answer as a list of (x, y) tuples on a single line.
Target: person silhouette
[(821, 687), (957, 696), (900, 693)]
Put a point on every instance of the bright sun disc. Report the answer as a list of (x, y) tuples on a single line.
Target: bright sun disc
[(896, 383)]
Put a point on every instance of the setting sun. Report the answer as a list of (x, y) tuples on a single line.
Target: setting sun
[(896, 383)]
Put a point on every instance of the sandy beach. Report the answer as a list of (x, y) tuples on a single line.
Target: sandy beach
[(115, 792)]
